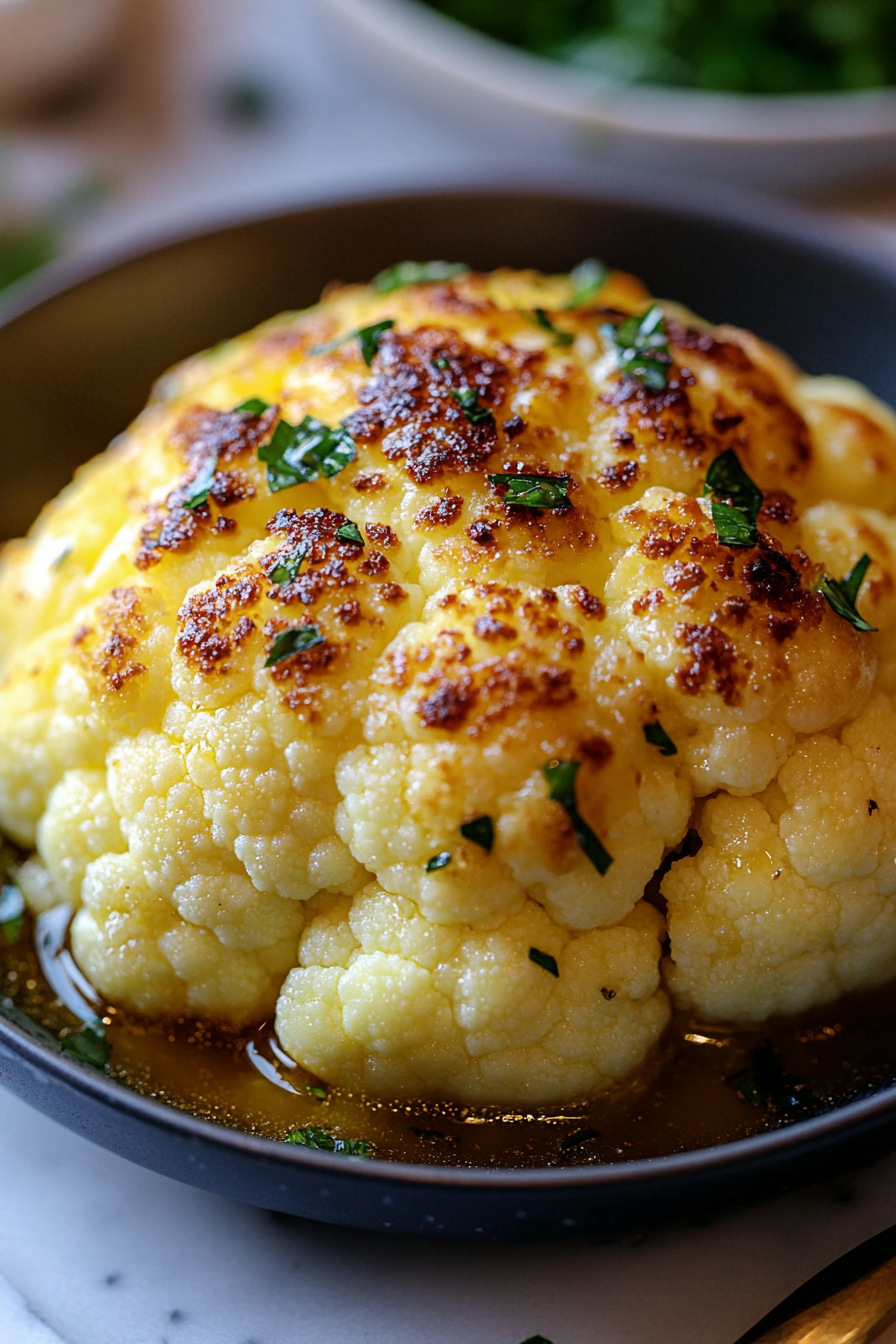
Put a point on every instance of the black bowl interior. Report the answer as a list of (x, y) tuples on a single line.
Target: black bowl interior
[(77, 356)]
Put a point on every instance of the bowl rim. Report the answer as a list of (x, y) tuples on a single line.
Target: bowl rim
[(767, 217), (439, 44)]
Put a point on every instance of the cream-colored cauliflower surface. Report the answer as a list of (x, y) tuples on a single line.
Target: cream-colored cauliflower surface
[(372, 676)]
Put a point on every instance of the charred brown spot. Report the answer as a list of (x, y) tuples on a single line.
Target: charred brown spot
[(514, 426), (648, 601), (373, 563), (683, 576), (777, 507), (120, 628), (598, 750), (349, 613), (772, 579), (488, 628), (172, 528), (441, 512), (391, 592), (587, 602), (447, 707), (202, 435), (713, 661), (482, 531), (409, 408), (663, 539), (381, 535), (369, 481), (619, 475), (724, 421), (782, 627), (208, 635), (229, 487)]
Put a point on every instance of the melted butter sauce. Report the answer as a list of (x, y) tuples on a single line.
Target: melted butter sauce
[(679, 1101)]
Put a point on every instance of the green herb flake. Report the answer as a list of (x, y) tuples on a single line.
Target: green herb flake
[(533, 491), (481, 830), (467, 399), (736, 500), (545, 961), (287, 569), (438, 861), (560, 337), (316, 1091), (88, 1044), (561, 779), (201, 484), (657, 736), (12, 913), (313, 1137), (841, 594), (297, 639), (368, 337), (296, 454), (417, 273), (440, 362), (349, 532), (642, 348), (767, 1085), (587, 278), (254, 406), (579, 1137)]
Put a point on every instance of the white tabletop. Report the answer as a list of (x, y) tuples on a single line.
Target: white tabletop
[(94, 1250)]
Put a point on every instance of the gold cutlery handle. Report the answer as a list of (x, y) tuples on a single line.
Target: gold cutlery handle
[(855, 1315)]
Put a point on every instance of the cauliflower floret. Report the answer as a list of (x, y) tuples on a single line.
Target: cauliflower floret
[(748, 656), (386, 1000), (791, 901), (468, 706)]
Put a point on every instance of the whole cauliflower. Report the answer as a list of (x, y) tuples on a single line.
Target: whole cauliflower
[(373, 675)]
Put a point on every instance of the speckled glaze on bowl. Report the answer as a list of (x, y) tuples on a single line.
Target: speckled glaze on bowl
[(79, 348)]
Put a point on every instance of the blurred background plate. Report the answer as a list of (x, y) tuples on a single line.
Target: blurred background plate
[(789, 142)]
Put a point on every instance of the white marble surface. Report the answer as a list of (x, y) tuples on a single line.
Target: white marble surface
[(96, 1251), (103, 1252)]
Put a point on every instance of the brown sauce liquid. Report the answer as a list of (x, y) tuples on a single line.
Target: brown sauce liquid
[(679, 1100)]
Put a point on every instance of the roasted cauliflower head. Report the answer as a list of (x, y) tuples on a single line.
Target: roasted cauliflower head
[(468, 672)]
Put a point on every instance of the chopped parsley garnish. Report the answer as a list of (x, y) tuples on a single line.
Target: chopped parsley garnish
[(417, 273), (481, 830), (545, 961), (254, 406), (288, 568), (579, 1137), (316, 1091), (642, 347), (368, 337), (467, 399), (440, 362), (438, 861), (12, 912), (588, 277), (841, 594), (533, 491), (294, 640), (296, 454), (313, 1137), (201, 484), (88, 1044), (736, 500), (561, 778), (560, 337), (349, 532), (767, 1085), (657, 736)]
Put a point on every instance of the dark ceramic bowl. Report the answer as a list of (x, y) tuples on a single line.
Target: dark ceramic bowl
[(77, 355)]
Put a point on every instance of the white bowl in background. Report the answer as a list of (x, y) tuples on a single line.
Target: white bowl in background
[(791, 142)]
